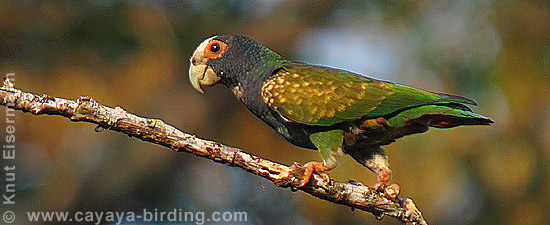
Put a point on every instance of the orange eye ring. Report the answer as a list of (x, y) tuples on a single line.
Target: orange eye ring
[(215, 49)]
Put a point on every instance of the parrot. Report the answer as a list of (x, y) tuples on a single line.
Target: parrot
[(333, 111)]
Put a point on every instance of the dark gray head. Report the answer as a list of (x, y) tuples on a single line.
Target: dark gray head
[(230, 60)]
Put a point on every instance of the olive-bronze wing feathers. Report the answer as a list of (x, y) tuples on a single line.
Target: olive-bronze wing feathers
[(324, 96)]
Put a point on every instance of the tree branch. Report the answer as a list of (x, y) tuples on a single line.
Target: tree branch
[(85, 109)]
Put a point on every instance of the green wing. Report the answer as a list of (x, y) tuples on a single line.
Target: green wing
[(324, 96)]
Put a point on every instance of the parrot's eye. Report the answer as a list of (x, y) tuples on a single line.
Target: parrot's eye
[(215, 49)]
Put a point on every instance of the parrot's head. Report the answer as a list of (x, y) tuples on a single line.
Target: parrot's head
[(230, 60)]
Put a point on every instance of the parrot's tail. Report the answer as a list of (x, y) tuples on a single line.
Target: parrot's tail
[(449, 121), (439, 116)]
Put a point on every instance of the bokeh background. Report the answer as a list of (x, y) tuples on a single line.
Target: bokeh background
[(135, 55)]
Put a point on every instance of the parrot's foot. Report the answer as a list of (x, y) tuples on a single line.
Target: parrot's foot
[(376, 160), (384, 176), (392, 191), (307, 171)]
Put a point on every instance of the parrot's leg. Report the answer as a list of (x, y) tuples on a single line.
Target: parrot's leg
[(329, 145), (376, 160)]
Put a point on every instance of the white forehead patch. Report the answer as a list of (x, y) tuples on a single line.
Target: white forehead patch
[(198, 54)]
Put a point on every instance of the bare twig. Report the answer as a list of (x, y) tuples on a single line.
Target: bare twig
[(352, 194)]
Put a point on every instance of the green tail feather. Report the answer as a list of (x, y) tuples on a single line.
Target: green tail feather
[(440, 116), (456, 99)]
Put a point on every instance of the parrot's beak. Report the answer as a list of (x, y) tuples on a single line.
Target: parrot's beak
[(199, 71), (202, 74)]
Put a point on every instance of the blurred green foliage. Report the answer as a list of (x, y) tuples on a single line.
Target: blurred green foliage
[(135, 55)]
